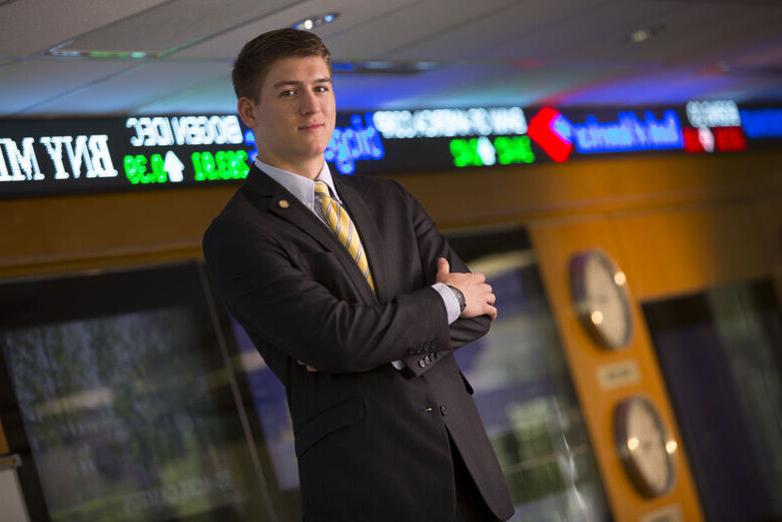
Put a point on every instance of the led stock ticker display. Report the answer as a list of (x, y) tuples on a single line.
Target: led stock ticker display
[(130, 153), (197, 132), (438, 139), (45, 156)]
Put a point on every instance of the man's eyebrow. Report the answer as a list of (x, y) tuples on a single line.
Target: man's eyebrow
[(297, 83)]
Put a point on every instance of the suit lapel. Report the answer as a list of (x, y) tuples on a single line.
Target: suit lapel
[(369, 233), (286, 206)]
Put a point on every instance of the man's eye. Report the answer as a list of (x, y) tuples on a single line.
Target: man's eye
[(321, 88), (287, 93)]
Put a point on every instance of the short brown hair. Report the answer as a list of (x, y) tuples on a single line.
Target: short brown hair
[(258, 55)]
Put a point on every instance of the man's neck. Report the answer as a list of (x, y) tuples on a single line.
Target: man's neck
[(309, 168)]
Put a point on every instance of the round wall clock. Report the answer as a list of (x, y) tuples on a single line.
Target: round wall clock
[(644, 446), (601, 298)]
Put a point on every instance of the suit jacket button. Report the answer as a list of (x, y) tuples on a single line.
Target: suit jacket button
[(421, 363), (443, 410), (283, 203)]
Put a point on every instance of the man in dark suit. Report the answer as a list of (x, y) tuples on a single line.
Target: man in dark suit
[(356, 302)]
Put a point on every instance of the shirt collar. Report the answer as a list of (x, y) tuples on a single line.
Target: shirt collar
[(301, 187)]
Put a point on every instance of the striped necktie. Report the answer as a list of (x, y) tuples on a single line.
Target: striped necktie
[(340, 223)]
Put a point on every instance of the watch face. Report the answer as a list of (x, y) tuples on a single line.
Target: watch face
[(644, 446), (601, 298)]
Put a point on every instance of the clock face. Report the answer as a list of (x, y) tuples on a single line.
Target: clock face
[(644, 446), (601, 298)]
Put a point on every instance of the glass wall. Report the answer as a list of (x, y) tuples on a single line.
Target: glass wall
[(523, 389), (116, 393), (721, 355), (132, 396), (265, 401)]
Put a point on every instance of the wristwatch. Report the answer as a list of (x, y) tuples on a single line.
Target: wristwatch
[(459, 297)]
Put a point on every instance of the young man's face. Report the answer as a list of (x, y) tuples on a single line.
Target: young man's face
[(295, 115)]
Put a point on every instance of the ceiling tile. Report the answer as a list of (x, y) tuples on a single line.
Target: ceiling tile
[(351, 13), (33, 26), (174, 24), (29, 82), (487, 37), (211, 96), (134, 88), (382, 36)]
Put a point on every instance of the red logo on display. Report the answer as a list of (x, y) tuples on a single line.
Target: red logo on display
[(718, 139), (729, 139), (551, 131)]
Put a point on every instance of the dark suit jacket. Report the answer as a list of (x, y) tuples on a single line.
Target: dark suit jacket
[(372, 442)]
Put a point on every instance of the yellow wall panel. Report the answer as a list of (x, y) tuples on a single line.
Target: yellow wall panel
[(555, 241), (77, 232), (81, 232), (687, 249)]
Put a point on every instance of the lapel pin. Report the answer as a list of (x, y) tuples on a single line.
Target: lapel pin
[(284, 203)]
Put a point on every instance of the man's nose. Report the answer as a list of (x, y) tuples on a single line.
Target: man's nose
[(309, 103)]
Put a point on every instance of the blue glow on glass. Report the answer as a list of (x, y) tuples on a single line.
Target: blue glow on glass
[(357, 142), (628, 133), (378, 64), (762, 123), (426, 66), (249, 140), (343, 66)]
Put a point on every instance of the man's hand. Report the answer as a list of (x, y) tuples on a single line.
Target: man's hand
[(477, 294)]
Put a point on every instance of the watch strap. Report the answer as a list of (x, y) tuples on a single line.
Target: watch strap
[(459, 297)]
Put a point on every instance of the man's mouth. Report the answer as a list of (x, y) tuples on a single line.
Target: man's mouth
[(312, 126)]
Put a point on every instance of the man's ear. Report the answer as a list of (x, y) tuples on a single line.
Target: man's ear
[(246, 109)]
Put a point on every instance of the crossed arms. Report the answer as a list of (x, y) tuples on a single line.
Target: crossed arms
[(282, 306)]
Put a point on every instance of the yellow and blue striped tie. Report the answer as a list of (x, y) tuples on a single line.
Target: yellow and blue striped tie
[(340, 223)]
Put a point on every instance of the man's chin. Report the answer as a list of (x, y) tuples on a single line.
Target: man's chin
[(312, 152)]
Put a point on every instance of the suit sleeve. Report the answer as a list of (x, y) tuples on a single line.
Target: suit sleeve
[(431, 246), (280, 306)]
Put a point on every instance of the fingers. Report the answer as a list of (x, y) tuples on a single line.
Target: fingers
[(491, 312), (490, 309), (443, 268), (490, 298), (478, 294)]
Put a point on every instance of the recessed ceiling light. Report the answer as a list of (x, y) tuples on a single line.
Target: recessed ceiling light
[(308, 24), (641, 35), (645, 33), (60, 51)]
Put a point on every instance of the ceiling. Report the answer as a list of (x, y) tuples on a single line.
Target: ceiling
[(487, 52)]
